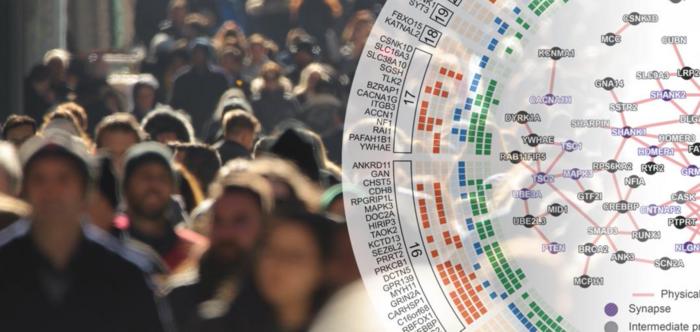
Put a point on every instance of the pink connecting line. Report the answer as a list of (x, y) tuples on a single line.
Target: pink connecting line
[(678, 147)]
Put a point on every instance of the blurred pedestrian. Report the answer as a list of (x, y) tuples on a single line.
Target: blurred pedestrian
[(18, 128), (148, 184), (38, 94), (272, 98), (65, 274), (240, 131), (144, 94), (166, 125), (198, 87), (115, 134), (241, 206), (202, 160), (288, 285)]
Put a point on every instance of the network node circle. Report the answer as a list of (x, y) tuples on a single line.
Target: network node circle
[(527, 165)]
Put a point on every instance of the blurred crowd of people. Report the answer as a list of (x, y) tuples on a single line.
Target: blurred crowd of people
[(207, 198)]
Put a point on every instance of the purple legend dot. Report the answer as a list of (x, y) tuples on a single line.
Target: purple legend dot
[(611, 309)]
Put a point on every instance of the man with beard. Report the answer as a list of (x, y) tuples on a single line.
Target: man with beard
[(152, 216), (242, 203), (59, 272)]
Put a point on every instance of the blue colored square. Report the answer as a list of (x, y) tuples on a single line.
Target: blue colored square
[(470, 224), (484, 61), (469, 103), (504, 295)]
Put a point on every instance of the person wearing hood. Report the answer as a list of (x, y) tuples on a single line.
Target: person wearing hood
[(232, 99), (166, 125), (38, 94), (144, 94), (198, 87), (272, 98)]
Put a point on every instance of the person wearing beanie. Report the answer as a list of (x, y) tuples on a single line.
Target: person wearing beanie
[(148, 185), (61, 273)]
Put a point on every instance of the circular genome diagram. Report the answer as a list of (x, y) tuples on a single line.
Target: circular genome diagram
[(528, 165)]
